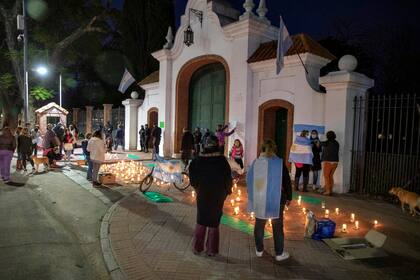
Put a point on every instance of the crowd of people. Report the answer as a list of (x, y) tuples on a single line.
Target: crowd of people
[(268, 182), (150, 137)]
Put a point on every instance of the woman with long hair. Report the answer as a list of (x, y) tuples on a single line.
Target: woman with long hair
[(96, 148), (269, 190)]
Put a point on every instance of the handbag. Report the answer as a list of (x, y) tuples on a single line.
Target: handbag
[(68, 146), (325, 228)]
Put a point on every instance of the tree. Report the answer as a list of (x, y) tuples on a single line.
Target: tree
[(41, 93), (68, 22)]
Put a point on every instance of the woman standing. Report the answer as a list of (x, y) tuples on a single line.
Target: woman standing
[(24, 147), (301, 155), (316, 161), (68, 143), (7, 147), (210, 175), (330, 149), (96, 148), (269, 190), (187, 146)]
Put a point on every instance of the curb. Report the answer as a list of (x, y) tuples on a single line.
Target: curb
[(111, 263)]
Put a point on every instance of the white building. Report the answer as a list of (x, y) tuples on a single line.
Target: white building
[(228, 75)]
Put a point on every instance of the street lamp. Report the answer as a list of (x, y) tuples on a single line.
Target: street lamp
[(42, 71)]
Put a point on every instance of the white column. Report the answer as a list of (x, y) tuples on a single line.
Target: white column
[(131, 121), (342, 87)]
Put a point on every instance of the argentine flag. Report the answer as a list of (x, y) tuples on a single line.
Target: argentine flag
[(284, 42), (126, 81), (301, 151), (264, 183)]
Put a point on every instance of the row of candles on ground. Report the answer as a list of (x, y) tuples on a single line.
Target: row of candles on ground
[(337, 212), (126, 171)]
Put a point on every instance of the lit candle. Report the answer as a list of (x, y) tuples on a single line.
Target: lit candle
[(299, 201), (352, 217), (252, 216), (193, 194), (236, 210), (323, 205), (239, 192), (269, 222), (327, 213), (232, 202), (235, 185), (375, 223), (299, 197), (337, 211), (344, 228), (304, 210), (356, 225)]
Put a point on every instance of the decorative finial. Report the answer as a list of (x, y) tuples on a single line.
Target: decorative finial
[(262, 10), (248, 6), (169, 39)]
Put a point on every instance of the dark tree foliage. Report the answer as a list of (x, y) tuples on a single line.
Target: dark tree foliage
[(144, 25)]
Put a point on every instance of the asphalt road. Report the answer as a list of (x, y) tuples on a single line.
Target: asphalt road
[(49, 229)]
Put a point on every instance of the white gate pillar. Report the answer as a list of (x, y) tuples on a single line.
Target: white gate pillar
[(131, 121), (342, 87)]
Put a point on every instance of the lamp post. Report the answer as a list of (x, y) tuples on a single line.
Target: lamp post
[(42, 70)]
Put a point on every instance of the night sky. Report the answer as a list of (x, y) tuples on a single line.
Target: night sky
[(317, 17)]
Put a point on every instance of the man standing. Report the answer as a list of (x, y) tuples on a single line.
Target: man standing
[(142, 136), (108, 129), (148, 133), (157, 135), (59, 132), (119, 138), (197, 141)]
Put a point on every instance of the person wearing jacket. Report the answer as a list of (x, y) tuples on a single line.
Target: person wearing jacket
[(119, 138), (237, 153), (68, 140), (142, 137), (156, 137), (316, 161), (329, 158), (187, 146), (269, 190), (211, 177), (86, 153), (221, 135), (24, 147), (7, 148), (148, 134), (197, 141), (96, 148)]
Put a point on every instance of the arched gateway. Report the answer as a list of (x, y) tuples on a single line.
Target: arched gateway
[(202, 96)]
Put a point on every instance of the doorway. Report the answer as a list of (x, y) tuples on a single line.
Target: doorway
[(276, 123), (152, 119)]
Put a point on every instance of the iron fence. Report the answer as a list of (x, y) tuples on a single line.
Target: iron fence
[(386, 144), (97, 119)]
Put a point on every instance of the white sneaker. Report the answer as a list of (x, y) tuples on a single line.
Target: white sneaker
[(282, 257), (259, 254)]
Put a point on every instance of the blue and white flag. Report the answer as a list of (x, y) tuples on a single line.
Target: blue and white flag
[(284, 42), (264, 183), (301, 151), (126, 81)]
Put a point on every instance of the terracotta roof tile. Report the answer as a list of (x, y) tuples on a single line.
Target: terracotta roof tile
[(152, 78), (302, 43)]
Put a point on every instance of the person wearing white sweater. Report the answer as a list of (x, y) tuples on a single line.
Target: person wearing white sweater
[(96, 147)]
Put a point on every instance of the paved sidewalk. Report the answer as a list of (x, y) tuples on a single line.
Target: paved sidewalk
[(153, 241)]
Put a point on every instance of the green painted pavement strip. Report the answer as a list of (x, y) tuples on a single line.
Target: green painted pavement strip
[(157, 197), (308, 199), (130, 156), (241, 225)]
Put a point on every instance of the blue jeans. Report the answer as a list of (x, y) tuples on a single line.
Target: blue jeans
[(118, 141), (90, 168)]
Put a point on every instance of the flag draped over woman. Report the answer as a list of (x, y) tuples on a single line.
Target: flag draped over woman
[(301, 151)]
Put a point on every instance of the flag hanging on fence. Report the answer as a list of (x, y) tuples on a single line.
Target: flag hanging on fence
[(284, 43), (126, 81)]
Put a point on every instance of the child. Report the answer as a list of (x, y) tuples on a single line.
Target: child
[(237, 153)]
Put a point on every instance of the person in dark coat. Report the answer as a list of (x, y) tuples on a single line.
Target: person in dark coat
[(119, 138), (7, 148), (59, 132), (210, 175), (316, 160), (156, 137), (329, 158), (86, 153), (142, 137), (197, 141), (148, 133), (24, 147), (206, 135), (187, 146)]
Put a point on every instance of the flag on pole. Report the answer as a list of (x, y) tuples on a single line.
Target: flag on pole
[(283, 45), (126, 81)]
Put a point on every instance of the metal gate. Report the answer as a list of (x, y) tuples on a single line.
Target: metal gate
[(386, 144), (98, 119)]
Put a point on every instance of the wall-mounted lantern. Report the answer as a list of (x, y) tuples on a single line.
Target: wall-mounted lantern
[(189, 33)]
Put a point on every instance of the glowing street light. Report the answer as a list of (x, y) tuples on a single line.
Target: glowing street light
[(41, 70)]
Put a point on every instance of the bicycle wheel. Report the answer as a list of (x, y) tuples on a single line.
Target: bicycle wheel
[(184, 184), (146, 183)]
